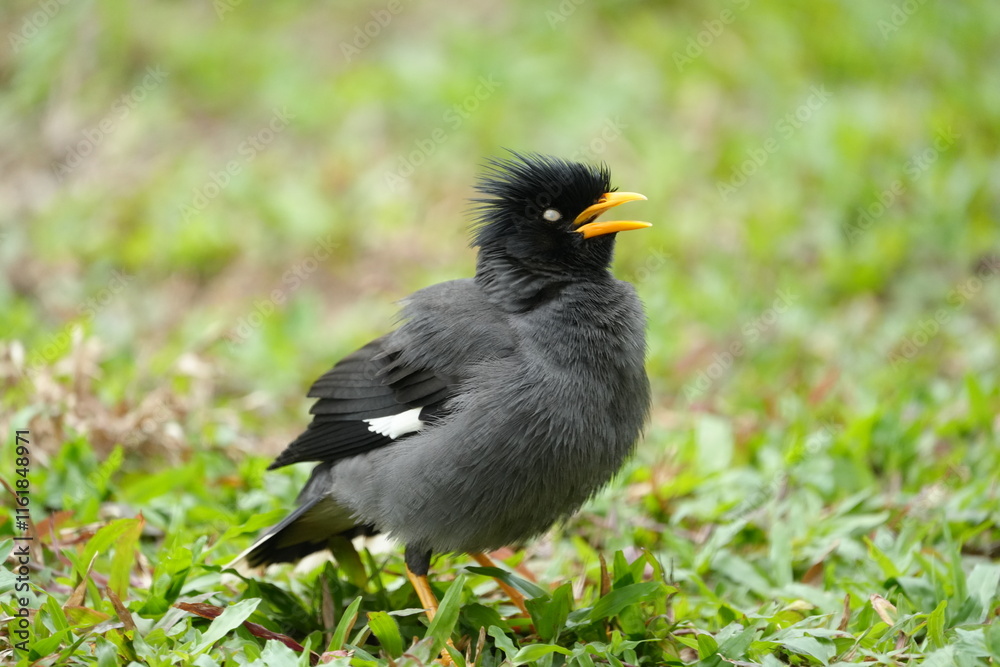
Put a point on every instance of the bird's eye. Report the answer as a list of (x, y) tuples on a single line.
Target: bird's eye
[(552, 215)]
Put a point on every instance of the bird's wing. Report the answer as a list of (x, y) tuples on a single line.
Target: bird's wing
[(368, 400), (397, 384)]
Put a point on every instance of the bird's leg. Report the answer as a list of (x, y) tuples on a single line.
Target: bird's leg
[(424, 592), (417, 564), (514, 595)]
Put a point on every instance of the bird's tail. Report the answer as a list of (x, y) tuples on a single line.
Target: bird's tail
[(309, 528)]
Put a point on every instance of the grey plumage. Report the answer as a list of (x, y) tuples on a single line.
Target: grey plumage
[(528, 381)]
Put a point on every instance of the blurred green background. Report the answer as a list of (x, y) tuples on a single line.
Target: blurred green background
[(203, 205)]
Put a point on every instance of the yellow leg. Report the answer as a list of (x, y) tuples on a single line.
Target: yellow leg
[(427, 598), (424, 592), (514, 595)]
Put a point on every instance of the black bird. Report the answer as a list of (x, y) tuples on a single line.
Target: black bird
[(502, 402)]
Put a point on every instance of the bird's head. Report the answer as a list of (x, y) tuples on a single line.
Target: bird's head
[(542, 211)]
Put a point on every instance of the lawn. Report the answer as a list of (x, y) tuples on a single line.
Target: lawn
[(203, 205)]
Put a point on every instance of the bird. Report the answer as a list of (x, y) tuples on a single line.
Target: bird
[(500, 404)]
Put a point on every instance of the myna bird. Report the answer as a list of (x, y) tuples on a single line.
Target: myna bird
[(500, 404)]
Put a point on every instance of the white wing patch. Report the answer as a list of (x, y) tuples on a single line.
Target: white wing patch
[(394, 426)]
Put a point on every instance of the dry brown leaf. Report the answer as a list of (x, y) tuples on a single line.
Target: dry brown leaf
[(327, 613), (48, 526), (76, 597), (847, 614), (605, 577), (824, 386), (882, 607), (124, 615)]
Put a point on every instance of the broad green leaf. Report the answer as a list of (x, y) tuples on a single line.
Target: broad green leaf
[(44, 648), (638, 567), (349, 561), (169, 577), (887, 564), (107, 653), (8, 580), (275, 653), (534, 652), (982, 585), (935, 625), (616, 600), (943, 657), (810, 646), (503, 642), (549, 615), (707, 646), (386, 629), (523, 585), (456, 656), (735, 647), (231, 618), (632, 620), (106, 537), (622, 571), (992, 637), (280, 605), (83, 617), (447, 614), (55, 612), (124, 558), (480, 616), (345, 625)]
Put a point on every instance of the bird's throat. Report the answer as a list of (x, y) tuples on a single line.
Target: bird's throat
[(515, 286)]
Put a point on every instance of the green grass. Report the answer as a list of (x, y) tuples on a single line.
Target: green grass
[(202, 207)]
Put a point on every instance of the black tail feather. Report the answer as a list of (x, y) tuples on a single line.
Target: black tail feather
[(309, 528)]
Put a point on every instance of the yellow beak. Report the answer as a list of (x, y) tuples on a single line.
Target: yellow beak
[(608, 200)]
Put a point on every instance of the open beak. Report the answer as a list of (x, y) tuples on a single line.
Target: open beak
[(608, 200)]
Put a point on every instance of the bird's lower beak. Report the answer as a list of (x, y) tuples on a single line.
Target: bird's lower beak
[(608, 200)]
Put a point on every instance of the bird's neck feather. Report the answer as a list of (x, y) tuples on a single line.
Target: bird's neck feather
[(518, 285)]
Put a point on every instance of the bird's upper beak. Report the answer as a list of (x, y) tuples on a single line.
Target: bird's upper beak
[(608, 200)]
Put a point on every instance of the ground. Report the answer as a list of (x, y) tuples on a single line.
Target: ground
[(204, 205)]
